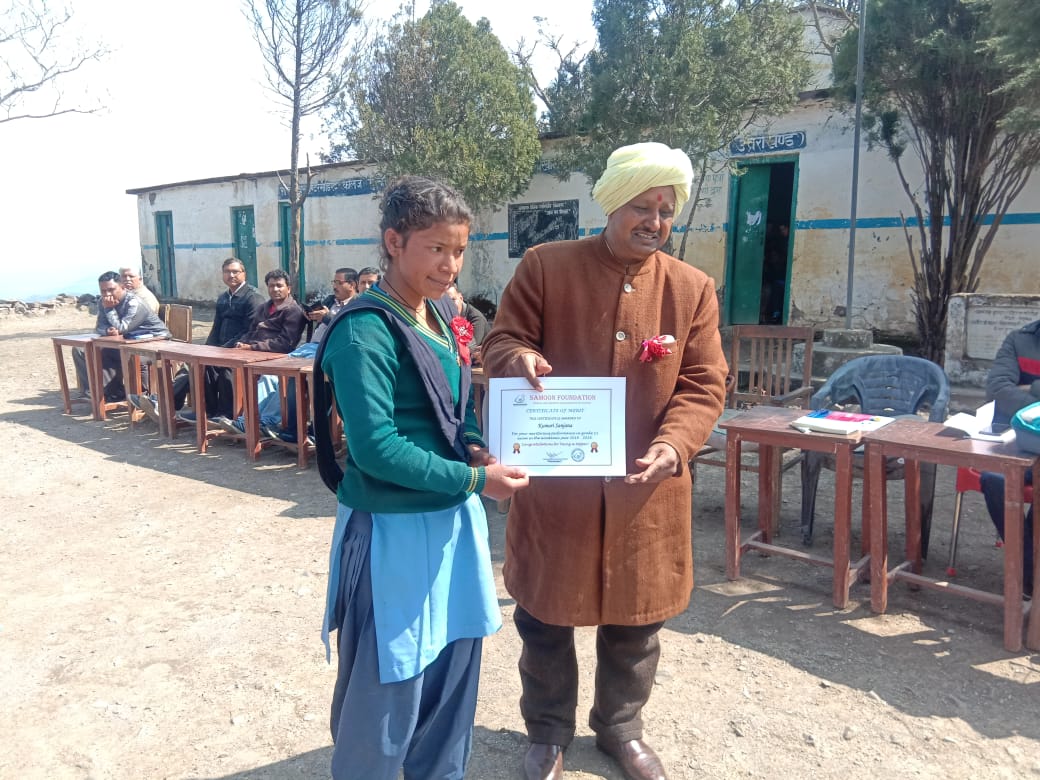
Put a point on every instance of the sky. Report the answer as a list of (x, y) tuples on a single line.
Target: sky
[(184, 98)]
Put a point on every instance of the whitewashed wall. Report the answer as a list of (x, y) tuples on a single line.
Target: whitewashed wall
[(342, 231)]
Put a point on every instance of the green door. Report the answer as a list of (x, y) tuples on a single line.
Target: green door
[(243, 225), (284, 215), (164, 242), (748, 244)]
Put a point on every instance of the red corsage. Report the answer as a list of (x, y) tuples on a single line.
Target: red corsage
[(462, 330), (658, 346)]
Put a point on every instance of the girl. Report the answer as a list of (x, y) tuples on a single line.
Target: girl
[(411, 590)]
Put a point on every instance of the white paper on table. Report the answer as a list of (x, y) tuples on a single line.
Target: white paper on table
[(575, 427), (974, 424)]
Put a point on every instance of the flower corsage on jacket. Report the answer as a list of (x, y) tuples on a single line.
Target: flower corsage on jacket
[(462, 330), (657, 347)]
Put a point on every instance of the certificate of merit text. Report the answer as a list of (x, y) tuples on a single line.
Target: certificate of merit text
[(575, 427)]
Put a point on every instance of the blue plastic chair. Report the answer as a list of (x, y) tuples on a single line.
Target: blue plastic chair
[(890, 385)]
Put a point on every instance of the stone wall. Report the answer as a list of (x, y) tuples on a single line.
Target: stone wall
[(976, 327), (43, 308)]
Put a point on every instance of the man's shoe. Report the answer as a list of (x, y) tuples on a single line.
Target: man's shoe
[(186, 415), (543, 762), (228, 425), (147, 405), (134, 400), (636, 758), (276, 433)]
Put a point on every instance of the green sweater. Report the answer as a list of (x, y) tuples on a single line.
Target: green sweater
[(397, 458)]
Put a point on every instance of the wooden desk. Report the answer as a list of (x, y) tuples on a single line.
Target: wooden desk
[(95, 368), (85, 342), (131, 353), (197, 357), (931, 442), (770, 427), (299, 369)]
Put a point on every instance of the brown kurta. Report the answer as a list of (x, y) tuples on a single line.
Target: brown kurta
[(588, 551)]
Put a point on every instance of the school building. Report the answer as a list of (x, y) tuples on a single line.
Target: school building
[(775, 238)]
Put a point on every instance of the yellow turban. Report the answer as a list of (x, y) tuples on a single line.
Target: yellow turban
[(632, 170)]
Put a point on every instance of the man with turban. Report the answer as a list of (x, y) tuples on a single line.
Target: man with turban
[(613, 553)]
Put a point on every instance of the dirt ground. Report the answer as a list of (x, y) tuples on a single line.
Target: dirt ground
[(160, 614)]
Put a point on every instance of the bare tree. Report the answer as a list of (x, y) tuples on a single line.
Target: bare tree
[(564, 98), (847, 11), (303, 43), (36, 57), (937, 96)]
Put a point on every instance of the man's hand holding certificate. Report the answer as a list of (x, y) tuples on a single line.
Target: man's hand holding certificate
[(573, 427)]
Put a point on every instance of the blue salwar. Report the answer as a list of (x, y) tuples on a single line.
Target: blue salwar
[(423, 724), (411, 592)]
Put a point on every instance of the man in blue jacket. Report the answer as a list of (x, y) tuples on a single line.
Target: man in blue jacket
[(120, 313)]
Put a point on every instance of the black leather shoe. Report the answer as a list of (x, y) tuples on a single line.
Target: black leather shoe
[(636, 758), (543, 762)]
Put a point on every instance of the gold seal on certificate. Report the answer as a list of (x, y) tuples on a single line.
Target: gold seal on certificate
[(575, 427)]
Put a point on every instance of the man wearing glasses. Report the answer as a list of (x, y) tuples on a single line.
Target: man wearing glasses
[(239, 307), (344, 288)]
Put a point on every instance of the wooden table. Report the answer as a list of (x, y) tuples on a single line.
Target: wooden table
[(132, 352), (85, 342), (770, 427), (197, 357), (299, 369), (931, 442), (95, 368), (91, 344)]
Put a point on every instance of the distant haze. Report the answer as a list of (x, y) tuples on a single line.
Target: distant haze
[(46, 290)]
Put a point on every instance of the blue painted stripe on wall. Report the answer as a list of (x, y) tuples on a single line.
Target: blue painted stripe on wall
[(337, 242), (357, 241), (844, 224), (1025, 218), (1022, 218)]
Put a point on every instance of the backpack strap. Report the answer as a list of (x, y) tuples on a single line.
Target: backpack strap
[(450, 415)]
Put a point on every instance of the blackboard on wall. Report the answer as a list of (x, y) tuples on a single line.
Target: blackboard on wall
[(535, 223)]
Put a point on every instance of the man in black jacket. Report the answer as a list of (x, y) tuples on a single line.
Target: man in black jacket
[(239, 307)]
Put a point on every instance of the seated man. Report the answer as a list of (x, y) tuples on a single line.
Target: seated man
[(237, 309), (344, 288), (366, 277), (278, 331), (133, 282), (269, 402), (1013, 383), (120, 313)]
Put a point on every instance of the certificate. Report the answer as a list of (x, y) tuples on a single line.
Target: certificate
[(575, 427)]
